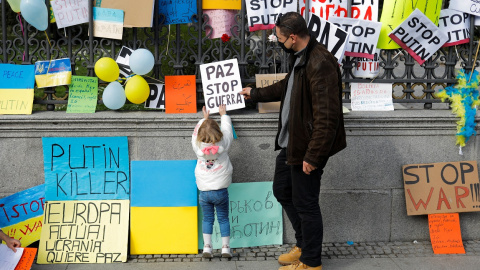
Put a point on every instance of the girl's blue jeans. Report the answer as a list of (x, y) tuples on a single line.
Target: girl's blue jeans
[(217, 199)]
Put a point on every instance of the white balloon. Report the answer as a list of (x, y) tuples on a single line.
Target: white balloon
[(141, 61), (114, 96)]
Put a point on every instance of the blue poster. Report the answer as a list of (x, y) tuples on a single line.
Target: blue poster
[(86, 168), (178, 11), (21, 206), (17, 76)]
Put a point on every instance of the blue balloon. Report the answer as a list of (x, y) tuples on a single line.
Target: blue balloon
[(141, 61), (35, 13), (114, 96)]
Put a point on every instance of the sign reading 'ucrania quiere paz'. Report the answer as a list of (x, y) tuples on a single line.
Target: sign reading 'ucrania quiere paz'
[(222, 85), (456, 25), (362, 36), (86, 168), (447, 187), (332, 37), (371, 97), (361, 9), (419, 36), (467, 6), (262, 15), (68, 13), (84, 232), (367, 68)]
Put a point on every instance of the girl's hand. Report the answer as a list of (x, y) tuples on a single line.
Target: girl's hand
[(222, 109), (205, 112)]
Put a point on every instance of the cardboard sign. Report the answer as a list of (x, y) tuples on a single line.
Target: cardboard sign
[(68, 13), (53, 73), (367, 68), (395, 12), (26, 261), (221, 21), (363, 10), (107, 23), (123, 61), (82, 95), (456, 25), (255, 217), (445, 234), (447, 187), (8, 258), (156, 99), (466, 6), (180, 94), (371, 96), (262, 15), (138, 13), (17, 76), (362, 36), (21, 214), (177, 12), (84, 232), (222, 85), (334, 38), (419, 36), (16, 101), (222, 4), (263, 80), (86, 168)]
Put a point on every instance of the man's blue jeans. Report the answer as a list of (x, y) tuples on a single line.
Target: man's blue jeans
[(217, 199)]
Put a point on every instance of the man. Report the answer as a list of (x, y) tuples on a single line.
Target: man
[(12, 243), (310, 130)]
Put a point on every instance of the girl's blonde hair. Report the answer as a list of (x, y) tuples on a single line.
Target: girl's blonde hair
[(209, 132)]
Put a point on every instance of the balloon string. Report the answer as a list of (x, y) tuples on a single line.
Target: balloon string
[(124, 79), (153, 79), (23, 34)]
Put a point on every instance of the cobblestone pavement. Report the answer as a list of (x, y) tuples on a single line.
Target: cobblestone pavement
[(330, 251)]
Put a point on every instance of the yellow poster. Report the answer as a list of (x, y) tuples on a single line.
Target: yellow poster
[(26, 232), (84, 232), (396, 11), (222, 4), (16, 101)]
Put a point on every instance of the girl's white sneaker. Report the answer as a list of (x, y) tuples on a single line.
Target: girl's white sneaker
[(226, 252), (207, 251)]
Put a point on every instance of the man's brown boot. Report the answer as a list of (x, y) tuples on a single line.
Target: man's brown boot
[(292, 256), (299, 265)]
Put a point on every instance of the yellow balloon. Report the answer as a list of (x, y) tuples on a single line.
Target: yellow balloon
[(137, 90), (107, 69), (15, 5)]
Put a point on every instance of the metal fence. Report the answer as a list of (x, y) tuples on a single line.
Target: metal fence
[(181, 49)]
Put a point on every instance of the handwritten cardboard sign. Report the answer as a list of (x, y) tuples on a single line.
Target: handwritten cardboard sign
[(26, 261), (8, 258), (86, 168), (447, 187), (255, 217), (221, 21), (84, 232), (334, 38), (156, 99), (68, 13), (467, 6), (371, 96), (222, 85), (262, 16), (395, 12), (21, 214), (17, 76), (177, 12), (363, 10), (138, 13), (419, 36), (180, 94), (107, 23), (362, 36), (222, 4), (264, 80), (367, 68), (82, 95), (53, 73), (445, 234), (16, 101), (456, 25)]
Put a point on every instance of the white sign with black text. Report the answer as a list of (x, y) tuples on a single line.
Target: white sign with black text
[(467, 6), (371, 96), (456, 25), (156, 99), (332, 37), (367, 68), (262, 15)]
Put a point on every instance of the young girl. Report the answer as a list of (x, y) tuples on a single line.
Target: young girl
[(213, 174)]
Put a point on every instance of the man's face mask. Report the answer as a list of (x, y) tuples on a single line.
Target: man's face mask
[(285, 49)]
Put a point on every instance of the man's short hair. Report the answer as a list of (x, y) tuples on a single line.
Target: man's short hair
[(292, 23)]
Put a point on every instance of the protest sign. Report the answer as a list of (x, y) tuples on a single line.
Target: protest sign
[(86, 168), (123, 61), (418, 36), (138, 13), (107, 23), (221, 21), (84, 232), (222, 4), (362, 36), (222, 85), (180, 94), (371, 96), (334, 38), (395, 12), (17, 76), (262, 15), (264, 80), (367, 68), (255, 217), (68, 13), (177, 12), (467, 6), (8, 258), (26, 261), (82, 95), (156, 99), (53, 73), (16, 101), (447, 187), (21, 214), (445, 234), (361, 9), (456, 25)]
